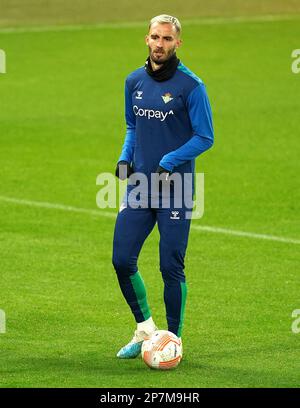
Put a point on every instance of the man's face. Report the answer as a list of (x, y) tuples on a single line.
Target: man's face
[(162, 41)]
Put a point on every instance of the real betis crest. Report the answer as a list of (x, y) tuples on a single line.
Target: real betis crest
[(167, 97)]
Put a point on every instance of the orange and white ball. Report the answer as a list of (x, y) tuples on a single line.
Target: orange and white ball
[(163, 350)]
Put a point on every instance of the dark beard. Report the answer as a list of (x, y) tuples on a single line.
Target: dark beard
[(159, 61)]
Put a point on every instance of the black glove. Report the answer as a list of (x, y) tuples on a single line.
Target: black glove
[(160, 170), (123, 170)]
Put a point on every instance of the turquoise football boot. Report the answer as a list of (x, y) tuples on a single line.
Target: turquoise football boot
[(134, 347)]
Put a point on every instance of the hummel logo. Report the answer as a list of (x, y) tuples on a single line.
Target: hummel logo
[(174, 215), (167, 97), (139, 95)]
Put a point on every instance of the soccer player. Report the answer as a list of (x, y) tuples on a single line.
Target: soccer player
[(169, 124)]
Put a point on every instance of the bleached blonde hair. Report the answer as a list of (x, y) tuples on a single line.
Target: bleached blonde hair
[(164, 19)]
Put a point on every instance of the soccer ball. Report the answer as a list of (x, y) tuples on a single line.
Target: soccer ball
[(163, 350)]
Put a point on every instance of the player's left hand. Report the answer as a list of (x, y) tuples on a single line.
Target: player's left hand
[(123, 170)]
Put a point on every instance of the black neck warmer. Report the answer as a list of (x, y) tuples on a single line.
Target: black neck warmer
[(166, 71)]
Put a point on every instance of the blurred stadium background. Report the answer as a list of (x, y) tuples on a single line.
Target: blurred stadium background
[(39, 12), (61, 124)]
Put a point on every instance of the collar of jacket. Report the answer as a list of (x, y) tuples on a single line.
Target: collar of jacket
[(165, 72)]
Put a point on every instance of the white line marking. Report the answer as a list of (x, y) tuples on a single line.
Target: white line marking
[(43, 204), (137, 24), (245, 234), (101, 213)]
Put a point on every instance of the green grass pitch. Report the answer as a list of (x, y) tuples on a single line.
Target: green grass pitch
[(61, 124)]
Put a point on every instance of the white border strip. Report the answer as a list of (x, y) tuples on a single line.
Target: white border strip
[(137, 24), (101, 213)]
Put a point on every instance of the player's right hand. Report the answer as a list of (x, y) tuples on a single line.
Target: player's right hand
[(123, 170)]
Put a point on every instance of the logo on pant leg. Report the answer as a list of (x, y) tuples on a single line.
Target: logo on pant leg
[(174, 215)]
